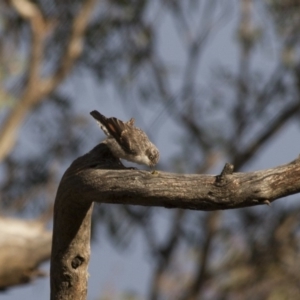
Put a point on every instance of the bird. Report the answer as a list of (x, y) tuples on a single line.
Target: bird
[(127, 141)]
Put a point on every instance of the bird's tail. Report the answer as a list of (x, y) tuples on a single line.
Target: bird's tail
[(99, 117)]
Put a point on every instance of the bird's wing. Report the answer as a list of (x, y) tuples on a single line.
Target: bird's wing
[(116, 129)]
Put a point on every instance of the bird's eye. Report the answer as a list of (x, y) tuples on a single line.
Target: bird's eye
[(151, 157)]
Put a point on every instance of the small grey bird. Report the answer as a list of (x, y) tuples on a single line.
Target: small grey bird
[(127, 141)]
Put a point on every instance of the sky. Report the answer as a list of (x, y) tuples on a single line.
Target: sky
[(111, 270)]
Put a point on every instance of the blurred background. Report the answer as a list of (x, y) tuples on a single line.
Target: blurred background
[(210, 81)]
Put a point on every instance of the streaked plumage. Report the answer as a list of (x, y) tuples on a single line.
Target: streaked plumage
[(127, 141)]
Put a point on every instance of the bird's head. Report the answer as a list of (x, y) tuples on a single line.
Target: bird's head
[(152, 154)]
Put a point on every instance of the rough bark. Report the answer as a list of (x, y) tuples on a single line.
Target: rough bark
[(24, 245), (71, 229), (100, 177), (200, 192)]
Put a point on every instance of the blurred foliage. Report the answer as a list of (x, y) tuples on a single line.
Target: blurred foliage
[(229, 115)]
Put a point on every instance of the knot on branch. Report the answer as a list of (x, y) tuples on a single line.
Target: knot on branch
[(221, 179), (77, 261)]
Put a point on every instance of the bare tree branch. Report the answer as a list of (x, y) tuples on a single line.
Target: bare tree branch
[(98, 176), (23, 246), (266, 134), (166, 252), (74, 48), (200, 192), (194, 289), (29, 11), (38, 88)]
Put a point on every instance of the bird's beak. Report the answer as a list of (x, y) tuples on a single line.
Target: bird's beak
[(153, 171)]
